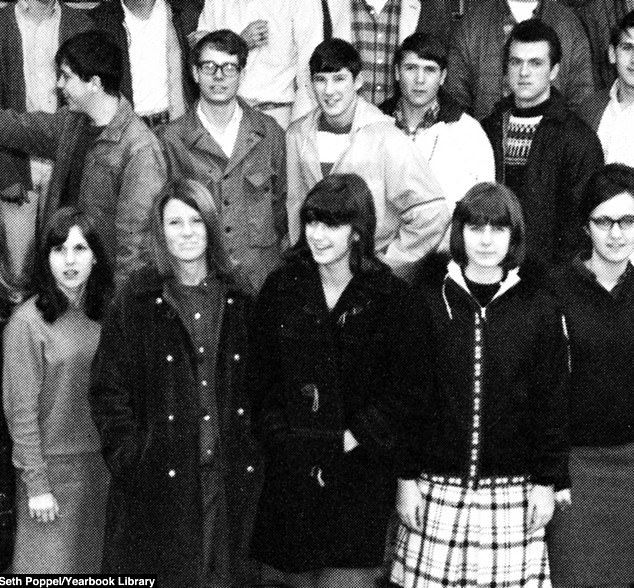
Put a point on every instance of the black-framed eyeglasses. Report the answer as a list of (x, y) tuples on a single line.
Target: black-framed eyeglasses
[(210, 68), (606, 223)]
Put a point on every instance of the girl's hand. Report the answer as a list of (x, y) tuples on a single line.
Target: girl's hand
[(409, 504), (43, 508), (541, 506)]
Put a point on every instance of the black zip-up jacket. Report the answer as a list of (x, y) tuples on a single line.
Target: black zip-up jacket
[(601, 330), (563, 155), (514, 352)]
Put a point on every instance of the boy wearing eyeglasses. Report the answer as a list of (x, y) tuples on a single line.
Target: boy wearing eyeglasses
[(542, 150), (236, 151)]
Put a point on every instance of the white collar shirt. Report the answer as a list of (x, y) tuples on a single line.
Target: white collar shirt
[(226, 138), (616, 130)]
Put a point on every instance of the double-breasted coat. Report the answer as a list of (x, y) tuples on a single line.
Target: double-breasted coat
[(146, 406), (314, 373)]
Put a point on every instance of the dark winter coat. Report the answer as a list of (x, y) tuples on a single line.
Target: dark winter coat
[(475, 74), (523, 382), (563, 155), (146, 407), (314, 374)]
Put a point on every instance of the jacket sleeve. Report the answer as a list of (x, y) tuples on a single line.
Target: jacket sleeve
[(142, 179), (459, 81), (583, 156), (22, 383), (111, 390), (35, 133), (579, 81), (419, 200), (549, 396), (389, 426)]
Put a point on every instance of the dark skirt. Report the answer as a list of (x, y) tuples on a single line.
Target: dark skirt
[(592, 541), (73, 542)]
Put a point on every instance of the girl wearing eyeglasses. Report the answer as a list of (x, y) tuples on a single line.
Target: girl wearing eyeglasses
[(592, 541), (491, 450)]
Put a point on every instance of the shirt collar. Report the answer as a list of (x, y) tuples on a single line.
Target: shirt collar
[(430, 118), (235, 120)]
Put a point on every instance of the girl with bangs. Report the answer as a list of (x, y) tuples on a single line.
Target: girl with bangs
[(49, 345), (491, 449), (339, 351)]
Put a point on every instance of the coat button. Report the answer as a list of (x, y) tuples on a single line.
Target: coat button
[(170, 417), (171, 473), (197, 316), (230, 300), (159, 300), (236, 357), (241, 412), (204, 383), (206, 417), (169, 358), (201, 350), (250, 469)]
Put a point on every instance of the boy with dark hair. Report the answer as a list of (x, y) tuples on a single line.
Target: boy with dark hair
[(346, 134), (236, 151), (106, 160), (454, 144), (611, 112), (543, 151)]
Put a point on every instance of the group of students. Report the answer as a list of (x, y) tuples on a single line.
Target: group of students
[(211, 381), (456, 400)]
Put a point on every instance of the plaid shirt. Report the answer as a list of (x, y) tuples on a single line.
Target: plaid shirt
[(375, 37), (430, 118)]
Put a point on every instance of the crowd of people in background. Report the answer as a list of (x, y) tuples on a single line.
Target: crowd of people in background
[(318, 293)]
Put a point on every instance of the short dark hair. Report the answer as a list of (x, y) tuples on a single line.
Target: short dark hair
[(334, 55), (51, 301), (489, 203), (341, 199), (222, 40), (196, 195), (604, 184), (93, 53), (426, 46), (627, 22), (534, 30)]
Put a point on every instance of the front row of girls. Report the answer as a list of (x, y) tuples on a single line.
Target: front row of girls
[(450, 400)]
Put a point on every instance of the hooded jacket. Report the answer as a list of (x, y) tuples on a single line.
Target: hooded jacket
[(505, 363)]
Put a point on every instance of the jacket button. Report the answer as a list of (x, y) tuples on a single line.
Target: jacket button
[(206, 417), (159, 300), (197, 316), (169, 358), (241, 412), (229, 300), (171, 473), (250, 469), (201, 350), (204, 383), (236, 357), (170, 417)]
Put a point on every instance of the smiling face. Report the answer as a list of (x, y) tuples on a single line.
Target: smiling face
[(530, 73), (419, 80), (217, 88), (614, 242), (622, 56), (71, 263), (336, 94), (486, 246), (185, 232), (329, 246)]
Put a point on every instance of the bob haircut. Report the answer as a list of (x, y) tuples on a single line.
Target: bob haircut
[(534, 30), (341, 199), (93, 53), (425, 46), (222, 40), (604, 184), (621, 29), (489, 203), (334, 55), (51, 301), (194, 194)]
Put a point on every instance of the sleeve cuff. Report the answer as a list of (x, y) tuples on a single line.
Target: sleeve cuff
[(36, 481)]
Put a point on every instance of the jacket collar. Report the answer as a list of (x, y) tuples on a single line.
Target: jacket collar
[(114, 130), (450, 111), (556, 110), (364, 114)]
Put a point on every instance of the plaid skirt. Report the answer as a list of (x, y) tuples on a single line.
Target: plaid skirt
[(472, 537)]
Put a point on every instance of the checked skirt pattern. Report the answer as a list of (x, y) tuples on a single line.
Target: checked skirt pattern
[(471, 537)]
